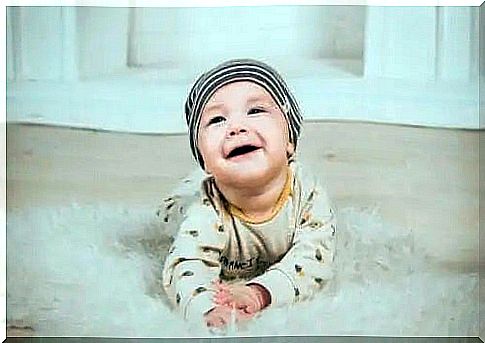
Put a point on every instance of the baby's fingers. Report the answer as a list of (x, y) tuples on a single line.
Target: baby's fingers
[(215, 322), (243, 299), (217, 317), (220, 286), (222, 299), (249, 303)]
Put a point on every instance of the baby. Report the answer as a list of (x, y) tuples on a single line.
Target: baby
[(262, 233)]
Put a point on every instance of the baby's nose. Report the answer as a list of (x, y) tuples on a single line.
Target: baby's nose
[(237, 131), (236, 128)]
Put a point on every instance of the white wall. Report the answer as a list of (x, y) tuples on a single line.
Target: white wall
[(482, 67), (35, 43), (130, 68), (201, 35), (46, 43), (427, 43), (102, 40)]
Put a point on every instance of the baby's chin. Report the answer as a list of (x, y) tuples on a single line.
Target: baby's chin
[(250, 174)]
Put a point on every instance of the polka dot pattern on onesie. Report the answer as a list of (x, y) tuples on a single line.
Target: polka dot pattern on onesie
[(318, 255)]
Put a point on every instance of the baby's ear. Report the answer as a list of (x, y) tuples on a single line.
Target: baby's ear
[(290, 152), (290, 149), (207, 171)]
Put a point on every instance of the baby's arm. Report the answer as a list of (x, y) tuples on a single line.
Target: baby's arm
[(308, 265), (193, 263)]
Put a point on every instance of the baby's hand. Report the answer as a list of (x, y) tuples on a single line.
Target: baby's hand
[(248, 299), (218, 316), (221, 315)]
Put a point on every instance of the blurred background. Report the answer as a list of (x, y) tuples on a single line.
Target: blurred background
[(129, 69)]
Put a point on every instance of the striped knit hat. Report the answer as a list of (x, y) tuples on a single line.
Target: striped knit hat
[(235, 71)]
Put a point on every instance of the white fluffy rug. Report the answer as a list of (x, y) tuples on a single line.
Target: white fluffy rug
[(94, 270)]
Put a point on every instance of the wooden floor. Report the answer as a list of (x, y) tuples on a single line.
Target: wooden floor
[(424, 179)]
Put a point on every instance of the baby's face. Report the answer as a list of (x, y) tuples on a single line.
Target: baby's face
[(243, 135)]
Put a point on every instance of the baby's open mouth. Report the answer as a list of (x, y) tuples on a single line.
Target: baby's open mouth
[(241, 150)]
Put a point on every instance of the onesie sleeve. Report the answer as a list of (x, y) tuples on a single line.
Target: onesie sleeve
[(193, 263), (308, 266)]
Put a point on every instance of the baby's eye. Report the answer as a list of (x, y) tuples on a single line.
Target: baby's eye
[(256, 110), (216, 119)]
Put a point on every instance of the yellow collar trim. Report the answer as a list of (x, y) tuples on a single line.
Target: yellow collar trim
[(280, 202)]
